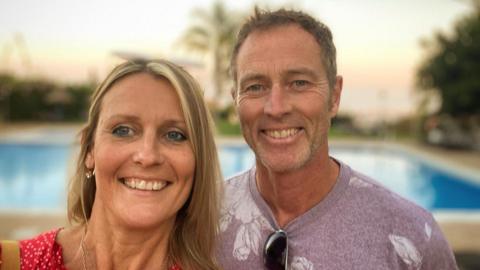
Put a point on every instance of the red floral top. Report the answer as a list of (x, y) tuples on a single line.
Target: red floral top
[(43, 253)]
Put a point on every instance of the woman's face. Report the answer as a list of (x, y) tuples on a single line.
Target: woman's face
[(143, 161)]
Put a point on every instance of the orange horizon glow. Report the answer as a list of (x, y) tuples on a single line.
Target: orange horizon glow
[(377, 42)]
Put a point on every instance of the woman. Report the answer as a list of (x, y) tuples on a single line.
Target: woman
[(145, 193)]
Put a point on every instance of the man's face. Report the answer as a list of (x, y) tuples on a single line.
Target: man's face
[(283, 98)]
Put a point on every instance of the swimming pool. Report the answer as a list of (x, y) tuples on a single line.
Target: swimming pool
[(423, 182), (33, 176)]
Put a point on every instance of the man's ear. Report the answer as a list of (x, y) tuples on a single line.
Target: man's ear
[(335, 96), (233, 92)]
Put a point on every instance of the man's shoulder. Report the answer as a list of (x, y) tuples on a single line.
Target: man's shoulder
[(240, 178), (237, 184), (373, 194), (412, 230)]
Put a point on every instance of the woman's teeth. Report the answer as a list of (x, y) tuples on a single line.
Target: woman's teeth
[(144, 185)]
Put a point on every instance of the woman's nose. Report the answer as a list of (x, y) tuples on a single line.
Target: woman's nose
[(149, 152)]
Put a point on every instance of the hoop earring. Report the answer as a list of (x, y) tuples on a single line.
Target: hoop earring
[(90, 174)]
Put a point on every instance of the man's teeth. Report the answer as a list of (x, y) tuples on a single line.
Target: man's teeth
[(284, 133), (144, 185)]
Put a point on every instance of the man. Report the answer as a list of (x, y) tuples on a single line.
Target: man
[(298, 208)]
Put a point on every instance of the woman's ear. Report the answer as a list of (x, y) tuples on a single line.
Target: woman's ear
[(90, 161)]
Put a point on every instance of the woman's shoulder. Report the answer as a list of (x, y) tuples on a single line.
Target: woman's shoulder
[(175, 267), (41, 252)]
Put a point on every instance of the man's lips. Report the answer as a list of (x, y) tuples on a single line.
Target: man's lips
[(281, 133)]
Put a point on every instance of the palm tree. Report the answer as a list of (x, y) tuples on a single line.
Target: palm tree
[(213, 34)]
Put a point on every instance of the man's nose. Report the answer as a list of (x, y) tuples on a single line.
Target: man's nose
[(278, 103)]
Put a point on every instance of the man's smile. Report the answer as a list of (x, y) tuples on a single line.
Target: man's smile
[(281, 133)]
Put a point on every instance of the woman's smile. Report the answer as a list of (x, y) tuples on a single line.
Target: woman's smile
[(141, 184)]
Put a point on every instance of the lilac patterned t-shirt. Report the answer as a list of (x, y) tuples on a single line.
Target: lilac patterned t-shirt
[(359, 225)]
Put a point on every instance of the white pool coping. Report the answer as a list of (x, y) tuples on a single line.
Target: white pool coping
[(463, 216), (41, 135)]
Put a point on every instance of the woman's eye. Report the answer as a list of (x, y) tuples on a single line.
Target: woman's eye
[(122, 131), (176, 136)]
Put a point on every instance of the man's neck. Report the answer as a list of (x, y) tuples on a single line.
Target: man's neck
[(291, 194)]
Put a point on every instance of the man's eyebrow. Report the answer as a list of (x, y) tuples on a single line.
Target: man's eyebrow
[(250, 77), (301, 71)]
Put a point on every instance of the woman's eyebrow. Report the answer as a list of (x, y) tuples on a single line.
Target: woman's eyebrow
[(132, 118), (175, 122), (123, 117)]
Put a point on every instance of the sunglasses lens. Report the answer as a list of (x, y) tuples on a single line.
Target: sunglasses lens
[(275, 251)]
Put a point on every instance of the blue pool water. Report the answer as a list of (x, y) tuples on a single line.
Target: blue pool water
[(34, 176), (428, 185)]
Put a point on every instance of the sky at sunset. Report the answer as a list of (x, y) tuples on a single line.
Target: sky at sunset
[(378, 42)]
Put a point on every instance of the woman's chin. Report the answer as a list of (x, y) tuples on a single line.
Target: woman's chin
[(147, 220)]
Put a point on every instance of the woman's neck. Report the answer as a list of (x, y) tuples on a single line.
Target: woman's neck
[(116, 246), (103, 245)]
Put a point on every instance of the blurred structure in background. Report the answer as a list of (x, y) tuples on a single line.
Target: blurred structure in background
[(16, 47), (450, 74), (212, 34), (446, 78)]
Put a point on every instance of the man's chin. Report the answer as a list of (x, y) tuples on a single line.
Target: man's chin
[(281, 164)]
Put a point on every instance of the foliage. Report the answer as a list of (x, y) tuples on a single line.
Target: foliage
[(80, 95), (41, 100), (228, 128), (213, 34), (27, 100), (453, 66)]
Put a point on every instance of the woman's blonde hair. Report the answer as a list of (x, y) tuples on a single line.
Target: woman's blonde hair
[(192, 243)]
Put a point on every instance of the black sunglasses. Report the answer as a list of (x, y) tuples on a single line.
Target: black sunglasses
[(275, 251)]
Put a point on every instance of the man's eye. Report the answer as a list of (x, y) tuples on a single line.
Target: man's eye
[(299, 84), (176, 136), (254, 88), (122, 131)]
